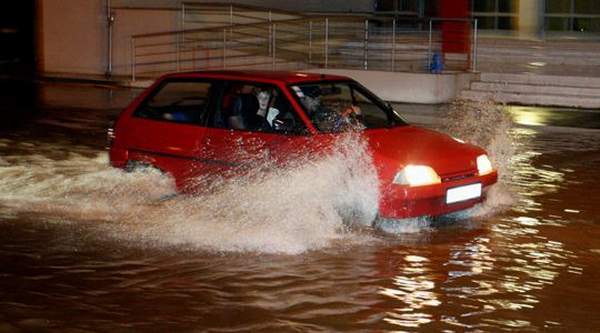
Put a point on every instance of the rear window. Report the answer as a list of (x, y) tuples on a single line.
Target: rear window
[(177, 101)]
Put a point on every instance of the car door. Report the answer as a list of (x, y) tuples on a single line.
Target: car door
[(231, 150), (168, 127)]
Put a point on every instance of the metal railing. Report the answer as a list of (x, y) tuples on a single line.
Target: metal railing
[(368, 43), (196, 15)]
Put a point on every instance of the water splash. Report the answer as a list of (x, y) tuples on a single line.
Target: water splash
[(488, 125), (307, 205), (302, 207)]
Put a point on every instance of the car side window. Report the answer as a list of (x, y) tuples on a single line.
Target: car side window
[(179, 101), (373, 116), (255, 107)]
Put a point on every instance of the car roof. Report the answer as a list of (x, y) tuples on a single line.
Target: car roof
[(287, 77)]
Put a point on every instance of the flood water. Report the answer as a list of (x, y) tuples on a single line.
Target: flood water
[(84, 247)]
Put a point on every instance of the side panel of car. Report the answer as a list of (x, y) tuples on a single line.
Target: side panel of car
[(165, 129), (173, 129)]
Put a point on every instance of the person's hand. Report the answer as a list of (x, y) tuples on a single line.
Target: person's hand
[(350, 116), (350, 110)]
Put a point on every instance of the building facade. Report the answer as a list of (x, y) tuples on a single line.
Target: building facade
[(94, 36)]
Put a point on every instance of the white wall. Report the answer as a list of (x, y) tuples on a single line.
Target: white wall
[(72, 36), (133, 22), (408, 87), (304, 5)]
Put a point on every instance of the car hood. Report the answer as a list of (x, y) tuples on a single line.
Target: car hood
[(397, 147)]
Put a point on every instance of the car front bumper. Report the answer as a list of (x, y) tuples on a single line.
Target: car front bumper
[(399, 201)]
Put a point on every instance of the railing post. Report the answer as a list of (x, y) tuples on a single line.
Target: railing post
[(132, 59), (310, 42), (194, 56), (366, 46), (110, 21), (474, 60), (231, 14), (224, 48), (183, 16), (182, 31), (393, 45), (429, 47), (177, 51), (270, 35), (274, 45), (326, 40)]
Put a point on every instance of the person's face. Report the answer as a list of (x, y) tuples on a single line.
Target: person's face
[(263, 99), (310, 103)]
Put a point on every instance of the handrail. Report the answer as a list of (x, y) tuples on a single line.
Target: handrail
[(336, 41), (173, 32), (244, 6)]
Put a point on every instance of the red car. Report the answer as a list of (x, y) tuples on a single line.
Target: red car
[(191, 124)]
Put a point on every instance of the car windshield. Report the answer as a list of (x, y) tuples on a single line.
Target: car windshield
[(335, 106)]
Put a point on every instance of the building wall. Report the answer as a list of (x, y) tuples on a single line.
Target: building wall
[(304, 5), (72, 36), (133, 22)]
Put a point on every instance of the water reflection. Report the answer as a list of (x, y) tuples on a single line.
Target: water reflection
[(528, 268), (415, 288)]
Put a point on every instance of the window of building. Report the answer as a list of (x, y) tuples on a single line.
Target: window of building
[(572, 16), (401, 7), (495, 14)]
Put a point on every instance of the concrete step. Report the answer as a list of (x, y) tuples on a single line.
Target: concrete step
[(533, 99), (534, 89), (546, 80)]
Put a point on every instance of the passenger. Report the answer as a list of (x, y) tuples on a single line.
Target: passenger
[(266, 102), (236, 103), (221, 118)]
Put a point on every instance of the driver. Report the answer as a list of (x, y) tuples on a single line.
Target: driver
[(266, 111)]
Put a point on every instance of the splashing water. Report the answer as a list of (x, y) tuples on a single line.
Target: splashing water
[(304, 206), (488, 125), (291, 210)]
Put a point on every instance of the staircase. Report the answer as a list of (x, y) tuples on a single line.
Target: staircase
[(536, 89)]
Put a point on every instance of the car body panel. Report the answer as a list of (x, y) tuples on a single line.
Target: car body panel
[(188, 151)]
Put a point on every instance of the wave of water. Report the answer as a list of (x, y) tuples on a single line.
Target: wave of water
[(488, 125), (309, 205), (291, 210)]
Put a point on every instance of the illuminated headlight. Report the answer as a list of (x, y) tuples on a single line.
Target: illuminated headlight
[(484, 166), (417, 175)]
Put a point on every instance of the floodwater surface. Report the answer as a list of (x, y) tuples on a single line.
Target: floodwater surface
[(84, 247)]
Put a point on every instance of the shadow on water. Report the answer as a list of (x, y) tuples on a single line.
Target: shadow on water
[(19, 103)]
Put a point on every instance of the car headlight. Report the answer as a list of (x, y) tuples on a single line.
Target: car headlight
[(417, 175), (484, 166)]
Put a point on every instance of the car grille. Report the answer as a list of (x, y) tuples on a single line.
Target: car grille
[(458, 176)]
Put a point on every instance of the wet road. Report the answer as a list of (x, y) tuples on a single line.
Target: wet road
[(87, 248)]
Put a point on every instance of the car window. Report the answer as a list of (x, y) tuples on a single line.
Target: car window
[(184, 101), (373, 115), (255, 107), (334, 106)]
